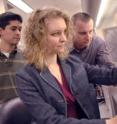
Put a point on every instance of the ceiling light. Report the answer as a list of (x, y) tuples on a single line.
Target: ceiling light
[(101, 11), (21, 5)]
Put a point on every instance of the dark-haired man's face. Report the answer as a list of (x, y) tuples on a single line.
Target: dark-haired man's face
[(83, 34), (11, 33)]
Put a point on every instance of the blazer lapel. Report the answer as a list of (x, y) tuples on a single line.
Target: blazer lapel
[(47, 76), (67, 71)]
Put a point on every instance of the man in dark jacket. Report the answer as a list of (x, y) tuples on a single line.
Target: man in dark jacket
[(10, 57), (89, 47)]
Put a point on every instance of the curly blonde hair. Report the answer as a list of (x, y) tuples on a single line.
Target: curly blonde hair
[(35, 36)]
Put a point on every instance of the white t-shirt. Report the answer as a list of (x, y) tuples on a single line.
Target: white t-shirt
[(6, 54)]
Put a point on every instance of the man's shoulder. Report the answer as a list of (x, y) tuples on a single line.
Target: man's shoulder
[(98, 40), (19, 55), (73, 57)]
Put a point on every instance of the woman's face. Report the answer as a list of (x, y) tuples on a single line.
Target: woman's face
[(56, 35)]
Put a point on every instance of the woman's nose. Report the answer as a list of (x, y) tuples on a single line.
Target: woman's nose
[(63, 37)]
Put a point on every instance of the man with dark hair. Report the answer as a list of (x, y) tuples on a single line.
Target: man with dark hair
[(89, 47), (10, 57), (5, 18)]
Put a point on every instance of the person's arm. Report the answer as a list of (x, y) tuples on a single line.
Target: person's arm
[(44, 113), (101, 74), (112, 120)]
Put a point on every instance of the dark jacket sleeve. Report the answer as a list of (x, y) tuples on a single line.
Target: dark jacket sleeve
[(41, 111), (101, 74)]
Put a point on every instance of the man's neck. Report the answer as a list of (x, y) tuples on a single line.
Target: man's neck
[(79, 49), (6, 47)]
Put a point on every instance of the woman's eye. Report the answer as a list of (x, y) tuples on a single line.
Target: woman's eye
[(56, 34)]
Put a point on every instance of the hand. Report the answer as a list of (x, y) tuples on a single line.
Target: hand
[(112, 120)]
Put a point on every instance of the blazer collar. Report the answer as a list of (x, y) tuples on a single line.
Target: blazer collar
[(47, 76), (66, 70)]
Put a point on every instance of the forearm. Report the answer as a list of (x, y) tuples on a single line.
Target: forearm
[(112, 120)]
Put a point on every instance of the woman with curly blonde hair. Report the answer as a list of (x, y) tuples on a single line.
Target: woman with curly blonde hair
[(35, 37), (54, 85)]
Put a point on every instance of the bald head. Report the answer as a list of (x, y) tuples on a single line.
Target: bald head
[(82, 16)]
